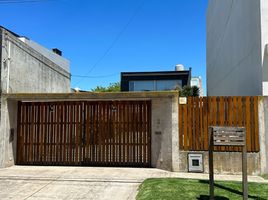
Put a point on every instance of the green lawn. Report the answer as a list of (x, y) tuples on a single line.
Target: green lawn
[(173, 188)]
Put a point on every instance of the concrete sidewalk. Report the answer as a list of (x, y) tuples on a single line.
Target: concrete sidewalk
[(30, 182)]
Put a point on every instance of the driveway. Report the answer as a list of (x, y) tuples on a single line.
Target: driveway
[(31, 182)]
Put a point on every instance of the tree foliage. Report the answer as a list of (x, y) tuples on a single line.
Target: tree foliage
[(188, 91), (113, 87)]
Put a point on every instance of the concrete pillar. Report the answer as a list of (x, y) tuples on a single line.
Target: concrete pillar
[(165, 144), (263, 135), (8, 137), (3, 119), (175, 134)]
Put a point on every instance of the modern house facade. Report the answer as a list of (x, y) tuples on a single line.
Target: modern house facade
[(237, 53), (26, 67), (155, 81)]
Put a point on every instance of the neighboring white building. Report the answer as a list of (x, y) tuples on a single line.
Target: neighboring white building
[(237, 54), (197, 81)]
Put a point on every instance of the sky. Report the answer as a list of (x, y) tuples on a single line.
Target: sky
[(102, 38)]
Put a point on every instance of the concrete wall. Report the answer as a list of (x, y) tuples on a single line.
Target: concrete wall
[(24, 70), (225, 162), (48, 53), (234, 48)]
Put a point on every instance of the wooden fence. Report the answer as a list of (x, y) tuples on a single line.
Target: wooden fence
[(201, 112)]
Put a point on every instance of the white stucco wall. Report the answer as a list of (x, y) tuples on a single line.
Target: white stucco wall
[(234, 48)]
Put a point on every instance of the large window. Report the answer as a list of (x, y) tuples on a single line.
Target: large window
[(141, 86), (154, 85)]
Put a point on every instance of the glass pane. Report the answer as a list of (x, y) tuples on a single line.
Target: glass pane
[(168, 84), (141, 85)]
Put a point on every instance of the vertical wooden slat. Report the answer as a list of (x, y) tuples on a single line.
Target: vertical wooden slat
[(185, 126), (248, 128), (123, 113), (252, 124), (64, 133), (190, 119), (149, 117), (230, 117), (100, 132), (81, 133), (106, 107), (120, 130), (235, 117), (195, 123), (70, 135), (134, 124), (180, 117), (256, 123), (58, 135), (140, 132), (205, 120), (68, 125), (144, 131), (221, 115), (201, 123), (86, 139), (127, 131)]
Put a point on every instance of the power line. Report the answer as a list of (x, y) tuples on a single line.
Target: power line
[(113, 42), (101, 76), (22, 1)]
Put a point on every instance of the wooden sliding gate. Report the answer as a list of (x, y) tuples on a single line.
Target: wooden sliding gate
[(103, 133)]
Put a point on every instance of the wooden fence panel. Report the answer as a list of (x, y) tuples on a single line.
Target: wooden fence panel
[(201, 112)]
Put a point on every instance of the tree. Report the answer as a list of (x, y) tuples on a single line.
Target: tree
[(113, 87), (188, 91), (195, 91)]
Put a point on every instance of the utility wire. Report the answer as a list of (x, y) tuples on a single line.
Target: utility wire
[(113, 42), (22, 1), (101, 76)]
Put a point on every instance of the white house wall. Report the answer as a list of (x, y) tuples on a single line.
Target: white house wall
[(234, 63)]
